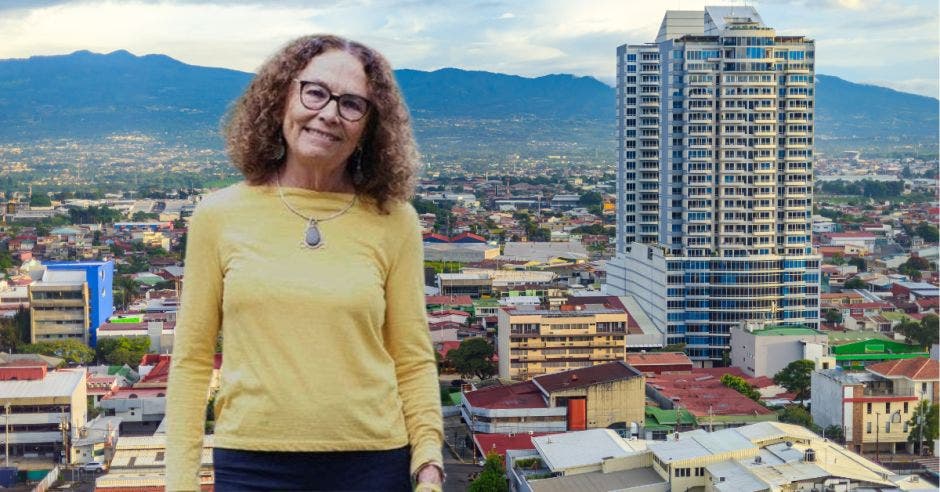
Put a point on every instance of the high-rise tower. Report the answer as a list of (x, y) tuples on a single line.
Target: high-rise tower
[(714, 178)]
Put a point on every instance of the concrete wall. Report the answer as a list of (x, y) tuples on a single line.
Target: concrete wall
[(826, 397), (607, 403)]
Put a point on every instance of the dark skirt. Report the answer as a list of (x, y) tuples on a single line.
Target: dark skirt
[(240, 470)]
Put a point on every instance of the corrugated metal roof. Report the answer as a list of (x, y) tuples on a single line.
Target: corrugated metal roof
[(55, 384), (571, 449)]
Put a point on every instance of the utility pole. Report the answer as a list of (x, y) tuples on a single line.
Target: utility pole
[(6, 439), (920, 425), (877, 442)]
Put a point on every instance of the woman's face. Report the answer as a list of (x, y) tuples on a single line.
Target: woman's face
[(323, 137)]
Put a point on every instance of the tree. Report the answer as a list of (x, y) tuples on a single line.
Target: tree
[(796, 414), (126, 287), (738, 384), (854, 283), (924, 422), (833, 316), (796, 378), (473, 358), (22, 321), (9, 338), (834, 432), (118, 351), (923, 334), (929, 232), (40, 200), (860, 263), (493, 476), (591, 198), (673, 347), (74, 352)]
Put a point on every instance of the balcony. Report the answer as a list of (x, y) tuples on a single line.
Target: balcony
[(887, 391)]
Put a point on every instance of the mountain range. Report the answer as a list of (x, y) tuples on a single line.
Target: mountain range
[(87, 95)]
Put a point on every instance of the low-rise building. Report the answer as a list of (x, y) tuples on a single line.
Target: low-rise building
[(874, 407), (660, 362), (45, 408), (766, 456), (856, 355), (701, 392), (765, 351), (600, 396), (139, 465)]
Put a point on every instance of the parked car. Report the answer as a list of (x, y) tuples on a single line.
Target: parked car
[(94, 466)]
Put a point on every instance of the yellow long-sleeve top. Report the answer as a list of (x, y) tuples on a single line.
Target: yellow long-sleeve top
[(324, 350)]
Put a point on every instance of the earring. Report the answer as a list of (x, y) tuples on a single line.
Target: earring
[(281, 148), (358, 176)]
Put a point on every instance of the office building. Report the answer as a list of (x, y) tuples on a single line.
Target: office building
[(714, 178), (71, 301)]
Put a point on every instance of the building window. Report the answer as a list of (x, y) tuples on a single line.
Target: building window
[(868, 408), (683, 472), (905, 407), (887, 407), (868, 427)]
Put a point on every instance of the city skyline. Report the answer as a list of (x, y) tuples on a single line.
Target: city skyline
[(869, 42)]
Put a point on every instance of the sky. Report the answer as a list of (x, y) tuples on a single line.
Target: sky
[(893, 43)]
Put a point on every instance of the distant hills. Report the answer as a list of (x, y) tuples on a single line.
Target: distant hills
[(83, 95)]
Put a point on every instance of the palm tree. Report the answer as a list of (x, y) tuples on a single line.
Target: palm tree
[(127, 286)]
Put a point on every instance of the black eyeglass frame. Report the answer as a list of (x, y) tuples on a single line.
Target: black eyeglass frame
[(334, 97)]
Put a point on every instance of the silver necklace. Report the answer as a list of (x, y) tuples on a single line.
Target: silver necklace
[(313, 238)]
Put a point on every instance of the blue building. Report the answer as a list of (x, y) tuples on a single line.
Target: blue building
[(100, 278)]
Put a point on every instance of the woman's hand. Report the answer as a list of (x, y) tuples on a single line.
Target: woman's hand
[(430, 478)]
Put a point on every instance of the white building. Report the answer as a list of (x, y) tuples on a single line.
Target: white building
[(714, 177)]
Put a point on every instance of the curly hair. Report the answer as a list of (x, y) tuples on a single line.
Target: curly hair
[(252, 127)]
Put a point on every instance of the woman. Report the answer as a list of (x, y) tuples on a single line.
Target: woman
[(312, 270)]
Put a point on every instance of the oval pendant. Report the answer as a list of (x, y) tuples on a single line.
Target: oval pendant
[(312, 236)]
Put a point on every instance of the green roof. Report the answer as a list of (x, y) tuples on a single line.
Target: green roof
[(850, 357), (842, 337), (667, 418), (786, 331), (135, 318), (486, 302), (876, 346), (895, 316), (455, 398)]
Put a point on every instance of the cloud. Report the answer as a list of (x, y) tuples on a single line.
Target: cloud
[(894, 41)]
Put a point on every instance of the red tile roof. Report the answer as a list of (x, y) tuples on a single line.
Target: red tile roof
[(449, 300), (917, 369), (588, 376), (521, 395), (702, 391), (161, 371), (851, 235), (139, 392), (658, 359), (499, 443)]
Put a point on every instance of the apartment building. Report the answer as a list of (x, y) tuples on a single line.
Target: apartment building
[(532, 342), (714, 178), (874, 408)]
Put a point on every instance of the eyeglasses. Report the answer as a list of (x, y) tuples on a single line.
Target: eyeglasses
[(315, 96)]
